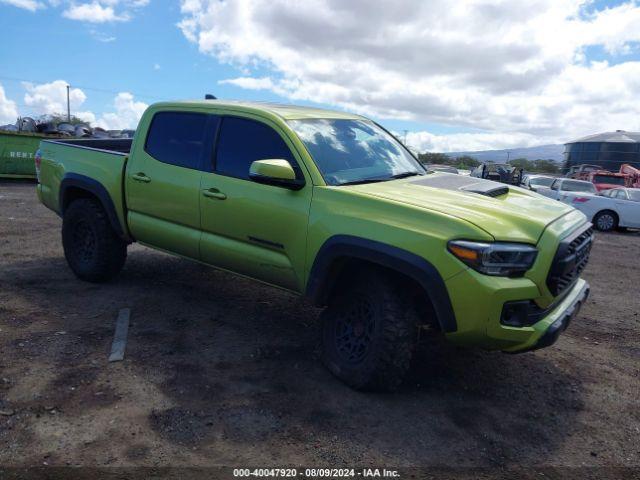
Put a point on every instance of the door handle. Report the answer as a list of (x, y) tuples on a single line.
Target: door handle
[(140, 177), (214, 193)]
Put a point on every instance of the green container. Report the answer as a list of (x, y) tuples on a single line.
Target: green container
[(17, 150)]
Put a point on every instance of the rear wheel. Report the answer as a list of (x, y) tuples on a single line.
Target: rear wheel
[(369, 332), (606, 221), (92, 248)]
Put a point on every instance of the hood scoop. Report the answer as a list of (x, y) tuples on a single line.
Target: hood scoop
[(450, 181), (487, 190)]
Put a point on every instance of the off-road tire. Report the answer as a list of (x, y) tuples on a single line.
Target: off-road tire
[(605, 221), (369, 303), (92, 248)]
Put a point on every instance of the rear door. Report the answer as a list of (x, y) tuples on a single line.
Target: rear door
[(247, 227), (552, 191), (628, 210), (163, 180)]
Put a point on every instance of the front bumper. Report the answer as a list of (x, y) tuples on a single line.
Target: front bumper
[(480, 308), (560, 318)]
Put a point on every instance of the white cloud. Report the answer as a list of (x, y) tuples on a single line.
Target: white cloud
[(250, 83), (127, 113), (515, 70), (31, 5), (50, 98), (8, 109), (101, 36), (94, 12), (102, 11), (156, 66), (424, 141)]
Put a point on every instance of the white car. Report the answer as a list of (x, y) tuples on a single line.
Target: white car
[(534, 182), (618, 207), (567, 188)]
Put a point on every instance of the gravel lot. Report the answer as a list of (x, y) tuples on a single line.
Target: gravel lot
[(223, 371)]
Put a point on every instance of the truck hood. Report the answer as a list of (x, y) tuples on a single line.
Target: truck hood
[(506, 212)]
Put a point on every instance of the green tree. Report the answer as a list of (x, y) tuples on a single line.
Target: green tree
[(466, 162), (432, 157), (523, 163), (546, 166)]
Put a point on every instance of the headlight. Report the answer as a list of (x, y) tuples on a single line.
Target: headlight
[(497, 259)]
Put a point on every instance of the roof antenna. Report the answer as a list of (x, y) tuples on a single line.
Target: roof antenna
[(208, 96)]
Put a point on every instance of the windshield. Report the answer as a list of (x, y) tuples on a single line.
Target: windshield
[(608, 179), (577, 186), (354, 151), (542, 181), (634, 195)]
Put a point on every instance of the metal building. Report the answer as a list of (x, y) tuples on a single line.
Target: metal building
[(608, 150)]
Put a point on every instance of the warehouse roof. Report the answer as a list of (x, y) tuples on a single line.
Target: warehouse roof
[(619, 136)]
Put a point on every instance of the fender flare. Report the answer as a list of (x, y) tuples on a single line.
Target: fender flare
[(92, 186), (338, 247)]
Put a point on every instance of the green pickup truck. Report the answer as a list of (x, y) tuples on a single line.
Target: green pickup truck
[(331, 206)]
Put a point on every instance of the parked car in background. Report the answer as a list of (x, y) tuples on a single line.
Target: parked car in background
[(577, 170), (631, 194), (563, 188), (634, 175), (615, 208), (533, 182), (498, 172), (442, 168), (604, 179)]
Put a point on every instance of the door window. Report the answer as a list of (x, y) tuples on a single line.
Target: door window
[(180, 138), (621, 194), (243, 141)]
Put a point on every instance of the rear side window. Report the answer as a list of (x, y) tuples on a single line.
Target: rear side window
[(573, 186), (179, 138), (243, 141)]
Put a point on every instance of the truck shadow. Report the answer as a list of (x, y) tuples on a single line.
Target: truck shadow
[(237, 363)]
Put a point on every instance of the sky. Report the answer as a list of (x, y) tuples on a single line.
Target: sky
[(456, 76)]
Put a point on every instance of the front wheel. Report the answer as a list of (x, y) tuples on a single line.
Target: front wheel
[(92, 248), (606, 221), (369, 333)]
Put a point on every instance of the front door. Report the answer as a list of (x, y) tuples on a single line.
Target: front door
[(250, 228), (628, 209), (163, 181)]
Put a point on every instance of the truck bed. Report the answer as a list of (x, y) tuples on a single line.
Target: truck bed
[(111, 145), (78, 161)]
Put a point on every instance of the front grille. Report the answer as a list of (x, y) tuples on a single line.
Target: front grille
[(570, 260)]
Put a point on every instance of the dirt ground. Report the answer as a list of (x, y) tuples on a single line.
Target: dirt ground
[(223, 371)]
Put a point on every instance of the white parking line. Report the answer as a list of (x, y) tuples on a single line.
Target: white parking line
[(120, 336)]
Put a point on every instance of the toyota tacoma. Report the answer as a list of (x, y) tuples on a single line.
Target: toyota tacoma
[(332, 206)]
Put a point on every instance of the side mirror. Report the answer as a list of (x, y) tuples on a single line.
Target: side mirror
[(277, 172)]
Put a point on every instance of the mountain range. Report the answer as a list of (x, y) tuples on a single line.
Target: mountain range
[(545, 152)]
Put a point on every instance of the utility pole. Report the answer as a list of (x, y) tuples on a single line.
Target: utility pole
[(68, 106), (508, 154), (405, 137)]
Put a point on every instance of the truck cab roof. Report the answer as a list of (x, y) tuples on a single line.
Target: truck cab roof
[(284, 111)]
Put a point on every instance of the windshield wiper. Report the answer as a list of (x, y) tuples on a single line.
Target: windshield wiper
[(405, 175), (385, 179), (366, 180)]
